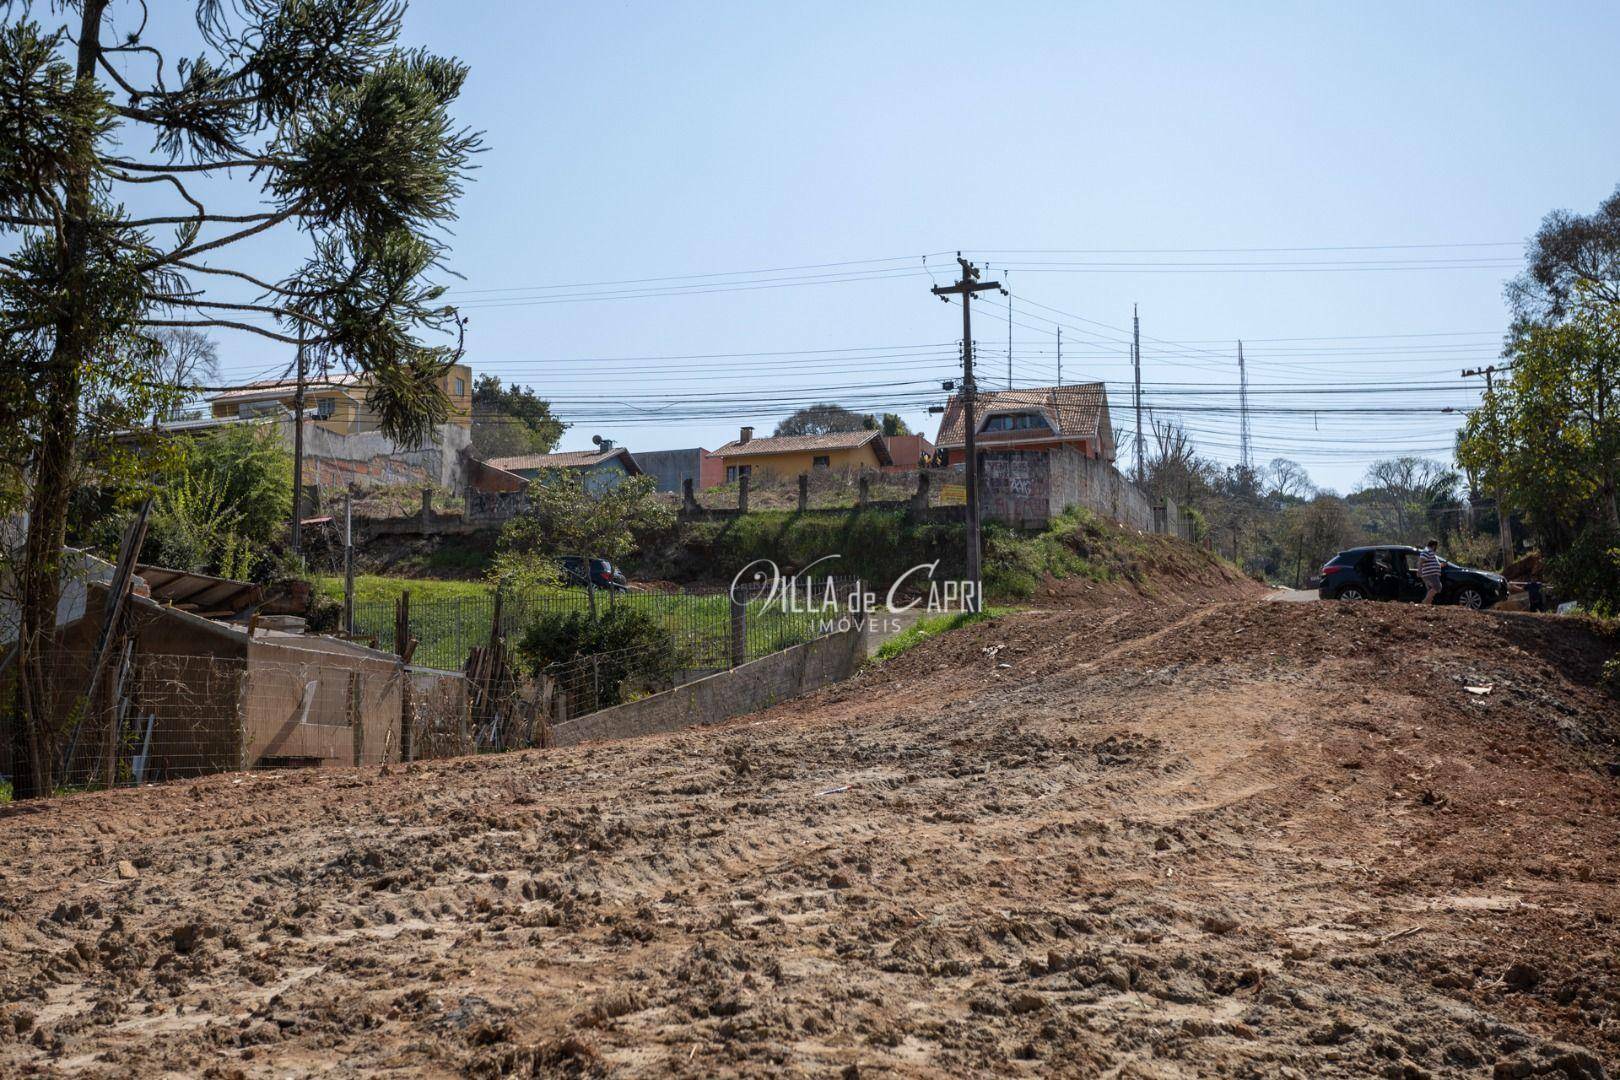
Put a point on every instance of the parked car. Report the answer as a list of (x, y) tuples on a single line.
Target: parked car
[(1389, 572), (604, 575)]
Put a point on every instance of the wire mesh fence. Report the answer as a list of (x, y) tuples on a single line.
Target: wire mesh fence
[(164, 716), (703, 625), (155, 711)]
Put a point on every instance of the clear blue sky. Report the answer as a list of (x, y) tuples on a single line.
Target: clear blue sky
[(633, 141)]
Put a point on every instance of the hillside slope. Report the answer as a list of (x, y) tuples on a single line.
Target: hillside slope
[(1251, 839)]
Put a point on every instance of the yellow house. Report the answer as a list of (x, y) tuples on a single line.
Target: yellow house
[(789, 455), (337, 402)]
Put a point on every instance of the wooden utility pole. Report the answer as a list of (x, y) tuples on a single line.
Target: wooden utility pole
[(965, 287), (1504, 529), (298, 448)]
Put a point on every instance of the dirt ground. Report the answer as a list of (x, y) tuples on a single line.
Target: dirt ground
[(1244, 839)]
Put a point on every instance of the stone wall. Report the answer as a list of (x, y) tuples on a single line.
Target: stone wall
[(741, 690)]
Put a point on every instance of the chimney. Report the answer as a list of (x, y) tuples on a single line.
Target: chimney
[(747, 433)]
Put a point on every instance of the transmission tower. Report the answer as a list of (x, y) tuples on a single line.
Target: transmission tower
[(1245, 452)]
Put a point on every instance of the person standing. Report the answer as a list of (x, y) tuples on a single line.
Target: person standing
[(1429, 571)]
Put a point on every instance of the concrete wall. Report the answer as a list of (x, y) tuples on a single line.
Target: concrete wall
[(1015, 487), (1095, 484), (372, 459), (672, 468), (741, 690), (295, 705)]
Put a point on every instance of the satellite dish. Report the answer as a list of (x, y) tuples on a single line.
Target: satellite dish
[(596, 440)]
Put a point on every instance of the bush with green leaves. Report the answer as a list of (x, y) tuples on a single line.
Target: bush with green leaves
[(566, 517), (635, 654), (226, 494), (1588, 572)]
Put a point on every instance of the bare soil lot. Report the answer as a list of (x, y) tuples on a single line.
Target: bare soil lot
[(1245, 839)]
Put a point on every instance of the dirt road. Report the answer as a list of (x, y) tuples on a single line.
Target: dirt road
[(1250, 839)]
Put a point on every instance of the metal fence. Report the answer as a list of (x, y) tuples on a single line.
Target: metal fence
[(281, 700), (167, 716), (706, 628)]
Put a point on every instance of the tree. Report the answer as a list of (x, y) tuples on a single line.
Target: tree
[(563, 517), (825, 417), (511, 420), (188, 357), (1312, 532), (1287, 480), (1412, 492), (1549, 439), (1573, 260), (894, 424), (308, 107)]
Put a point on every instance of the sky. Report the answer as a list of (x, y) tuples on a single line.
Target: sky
[(692, 217)]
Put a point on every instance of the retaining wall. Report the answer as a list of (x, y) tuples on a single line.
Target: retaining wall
[(741, 690)]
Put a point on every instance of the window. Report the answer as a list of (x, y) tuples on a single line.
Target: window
[(1023, 421), (821, 461), (325, 407), (737, 472), (461, 387)]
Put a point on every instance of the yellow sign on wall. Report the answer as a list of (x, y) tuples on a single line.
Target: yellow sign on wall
[(953, 494)]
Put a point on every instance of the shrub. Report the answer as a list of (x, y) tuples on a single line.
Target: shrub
[(1589, 571), (634, 652)]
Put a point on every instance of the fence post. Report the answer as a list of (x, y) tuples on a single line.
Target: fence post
[(804, 492), (348, 562), (742, 493), (863, 490), (590, 584), (688, 502), (427, 510), (355, 725), (919, 501), (402, 646), (739, 631)]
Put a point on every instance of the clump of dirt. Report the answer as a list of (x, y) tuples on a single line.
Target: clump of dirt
[(1242, 839)]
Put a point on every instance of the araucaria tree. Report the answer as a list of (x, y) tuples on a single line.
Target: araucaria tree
[(301, 116)]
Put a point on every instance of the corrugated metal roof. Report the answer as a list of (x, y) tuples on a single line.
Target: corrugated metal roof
[(1074, 411)]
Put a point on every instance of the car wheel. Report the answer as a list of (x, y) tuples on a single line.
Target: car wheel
[(1471, 598), (1351, 592)]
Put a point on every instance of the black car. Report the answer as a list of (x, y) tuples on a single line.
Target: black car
[(1390, 573), (604, 575)]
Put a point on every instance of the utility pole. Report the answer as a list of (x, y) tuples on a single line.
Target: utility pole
[(1060, 355), (1246, 455), (1136, 362), (348, 562), (298, 448), (965, 287), (1504, 530), (1010, 335)]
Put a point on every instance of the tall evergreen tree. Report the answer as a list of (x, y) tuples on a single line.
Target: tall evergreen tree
[(309, 110)]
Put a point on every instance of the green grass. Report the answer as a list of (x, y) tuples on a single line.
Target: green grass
[(449, 617), (377, 589), (933, 626), (5, 792)]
